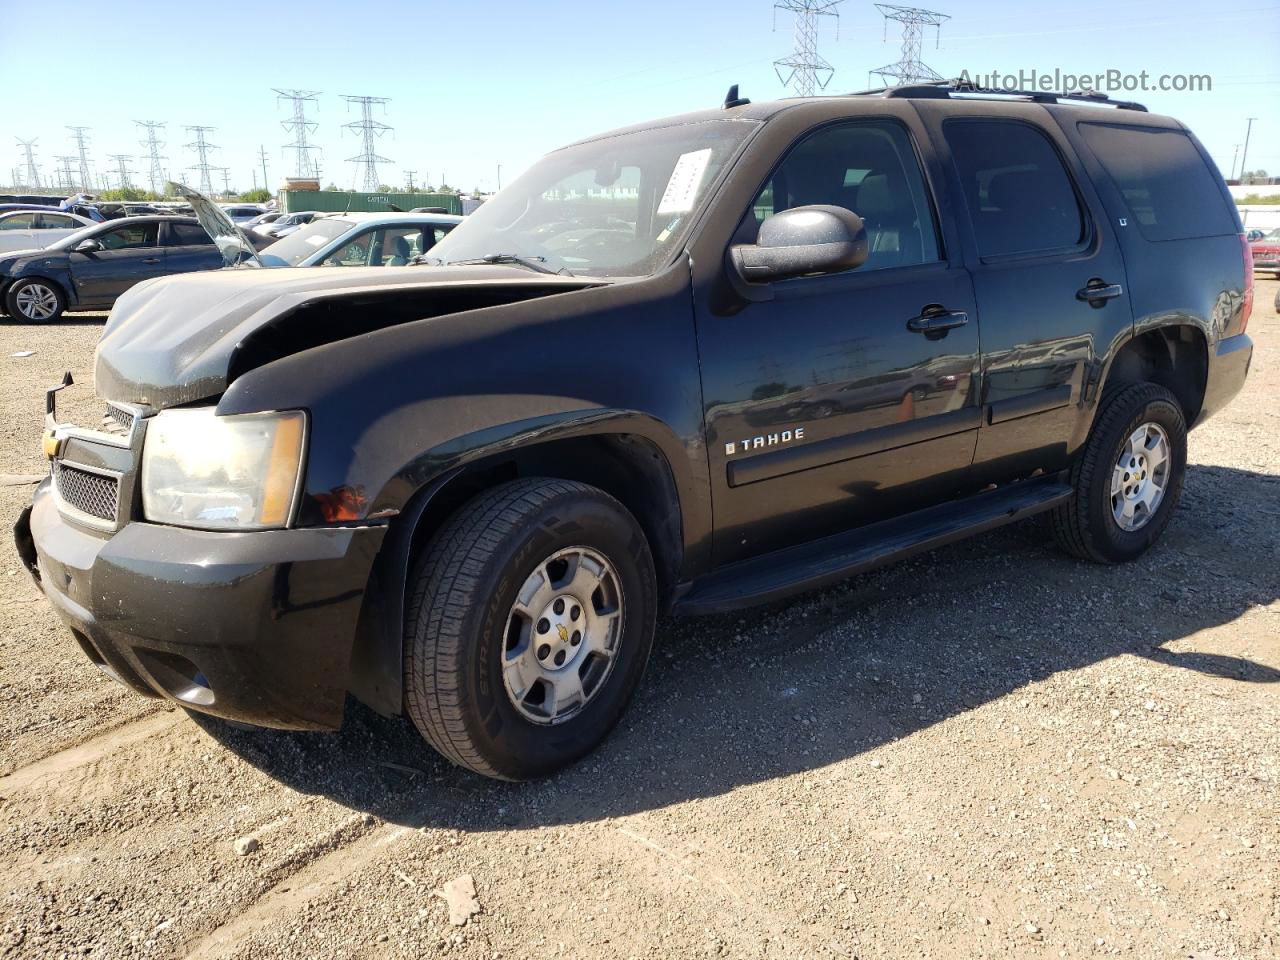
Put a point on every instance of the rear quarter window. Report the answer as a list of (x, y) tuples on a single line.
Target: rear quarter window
[(1169, 190)]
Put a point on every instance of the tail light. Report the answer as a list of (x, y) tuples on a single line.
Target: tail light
[(1247, 307)]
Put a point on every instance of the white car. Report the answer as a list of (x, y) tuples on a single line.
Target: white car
[(33, 229), (360, 240)]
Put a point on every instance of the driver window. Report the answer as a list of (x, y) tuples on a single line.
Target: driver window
[(21, 221), (129, 237), (868, 167)]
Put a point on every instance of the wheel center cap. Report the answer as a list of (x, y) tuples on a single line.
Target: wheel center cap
[(558, 632)]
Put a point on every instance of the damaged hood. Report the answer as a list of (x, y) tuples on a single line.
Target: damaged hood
[(170, 341)]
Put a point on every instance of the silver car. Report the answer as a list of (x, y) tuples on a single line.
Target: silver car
[(360, 240), (33, 229)]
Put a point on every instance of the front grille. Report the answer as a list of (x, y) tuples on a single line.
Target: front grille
[(87, 492), (117, 421)]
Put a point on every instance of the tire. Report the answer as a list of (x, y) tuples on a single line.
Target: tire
[(461, 627), (1087, 526), (35, 300)]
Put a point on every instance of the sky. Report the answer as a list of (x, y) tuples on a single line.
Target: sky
[(480, 90)]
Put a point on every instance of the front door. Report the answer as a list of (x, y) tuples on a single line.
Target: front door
[(830, 405), (130, 254)]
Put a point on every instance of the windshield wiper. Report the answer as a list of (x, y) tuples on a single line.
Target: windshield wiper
[(532, 263)]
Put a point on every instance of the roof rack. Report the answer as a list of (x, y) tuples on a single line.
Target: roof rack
[(945, 89)]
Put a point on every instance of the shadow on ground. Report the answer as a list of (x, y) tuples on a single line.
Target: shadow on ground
[(792, 687)]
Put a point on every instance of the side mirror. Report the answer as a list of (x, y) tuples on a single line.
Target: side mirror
[(800, 241), (88, 246)]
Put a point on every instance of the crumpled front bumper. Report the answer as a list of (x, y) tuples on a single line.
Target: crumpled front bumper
[(251, 626)]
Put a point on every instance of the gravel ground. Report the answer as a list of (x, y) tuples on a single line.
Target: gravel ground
[(988, 751)]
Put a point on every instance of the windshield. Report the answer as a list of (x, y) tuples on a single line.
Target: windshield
[(616, 207), (292, 250), (1272, 235)]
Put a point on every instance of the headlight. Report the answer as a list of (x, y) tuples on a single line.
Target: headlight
[(238, 472)]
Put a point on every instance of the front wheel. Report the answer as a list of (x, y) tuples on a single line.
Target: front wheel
[(1127, 479), (35, 300), (530, 622)]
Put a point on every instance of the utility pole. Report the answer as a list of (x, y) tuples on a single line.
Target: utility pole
[(155, 171), (226, 180), (122, 168), (804, 71), (80, 137), (300, 127), (1234, 157), (1244, 157), (31, 174), (910, 68), (66, 173), (202, 147), (500, 173), (262, 155), (368, 130), (408, 176)]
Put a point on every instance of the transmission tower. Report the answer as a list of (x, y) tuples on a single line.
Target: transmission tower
[(153, 143), (80, 137), (202, 147), (300, 127), (30, 173), (66, 173), (369, 130), (910, 68), (122, 169), (805, 72)]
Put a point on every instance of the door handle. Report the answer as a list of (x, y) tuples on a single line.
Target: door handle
[(1096, 291), (935, 320), (151, 260)]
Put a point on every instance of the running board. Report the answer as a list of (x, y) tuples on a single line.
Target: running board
[(811, 566)]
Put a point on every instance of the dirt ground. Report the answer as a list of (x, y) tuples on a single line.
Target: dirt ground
[(990, 751)]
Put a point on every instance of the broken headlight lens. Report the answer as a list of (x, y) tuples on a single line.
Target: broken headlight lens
[(210, 472)]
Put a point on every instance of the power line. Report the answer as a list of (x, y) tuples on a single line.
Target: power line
[(155, 171), (31, 174), (909, 68), (80, 137), (804, 71), (122, 169), (300, 126), (202, 147), (369, 131)]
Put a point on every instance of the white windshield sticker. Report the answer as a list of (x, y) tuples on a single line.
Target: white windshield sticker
[(686, 180), (317, 240)]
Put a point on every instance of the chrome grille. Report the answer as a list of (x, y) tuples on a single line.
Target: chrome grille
[(117, 421), (87, 492)]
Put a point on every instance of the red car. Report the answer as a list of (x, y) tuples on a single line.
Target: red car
[(1266, 252)]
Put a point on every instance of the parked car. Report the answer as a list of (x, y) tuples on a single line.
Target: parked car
[(89, 269), (466, 492), (360, 240), (1252, 235), (241, 214), (263, 218), (1266, 251), (286, 224), (30, 229)]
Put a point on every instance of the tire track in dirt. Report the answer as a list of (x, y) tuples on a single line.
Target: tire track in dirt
[(87, 753), (299, 880)]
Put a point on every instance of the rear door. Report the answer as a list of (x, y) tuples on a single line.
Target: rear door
[(188, 248), (1048, 275), (130, 254)]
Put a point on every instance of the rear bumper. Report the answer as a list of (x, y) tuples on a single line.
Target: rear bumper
[(255, 626), (1228, 368)]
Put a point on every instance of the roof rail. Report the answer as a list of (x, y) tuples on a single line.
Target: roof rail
[(946, 89)]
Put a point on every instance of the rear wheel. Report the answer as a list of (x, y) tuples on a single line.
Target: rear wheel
[(1128, 478), (35, 300), (529, 624)]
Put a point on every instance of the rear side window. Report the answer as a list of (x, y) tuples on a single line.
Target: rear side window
[(1019, 195), (187, 235), (1169, 190)]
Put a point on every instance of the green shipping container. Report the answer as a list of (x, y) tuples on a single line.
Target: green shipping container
[(331, 201)]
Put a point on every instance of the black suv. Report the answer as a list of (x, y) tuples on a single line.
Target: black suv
[(687, 366)]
